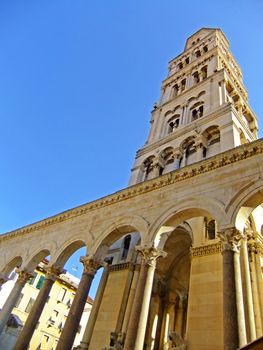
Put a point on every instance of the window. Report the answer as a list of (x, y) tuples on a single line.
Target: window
[(211, 229), (62, 293), (196, 77), (175, 90), (197, 53), (32, 280), (126, 246), (173, 124), (45, 341), (204, 72), (29, 305), (180, 65), (183, 84), (19, 300), (187, 60), (205, 48), (40, 282), (197, 112)]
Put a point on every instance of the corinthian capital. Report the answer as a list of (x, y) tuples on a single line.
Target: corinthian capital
[(230, 239), (150, 254), (23, 276), (91, 264), (53, 272)]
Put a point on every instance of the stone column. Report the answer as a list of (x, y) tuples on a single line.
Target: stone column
[(161, 294), (125, 298), (131, 299), (177, 155), (84, 344), (254, 283), (3, 279), (231, 327), (23, 277), (251, 316), (139, 314), (69, 331), (27, 332)]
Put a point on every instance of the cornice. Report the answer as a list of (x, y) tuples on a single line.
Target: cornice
[(209, 249), (220, 160)]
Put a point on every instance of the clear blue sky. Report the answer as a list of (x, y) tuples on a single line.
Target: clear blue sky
[(78, 79)]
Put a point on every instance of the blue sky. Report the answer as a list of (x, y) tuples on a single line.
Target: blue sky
[(78, 79)]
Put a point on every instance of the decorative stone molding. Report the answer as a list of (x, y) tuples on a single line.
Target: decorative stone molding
[(91, 264), (208, 249), (223, 159), (118, 267), (230, 239), (150, 254)]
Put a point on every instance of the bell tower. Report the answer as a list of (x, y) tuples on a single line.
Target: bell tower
[(203, 109)]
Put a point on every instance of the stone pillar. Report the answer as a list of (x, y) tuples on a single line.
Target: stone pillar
[(200, 144), (130, 300), (231, 328), (254, 283), (251, 316), (158, 333), (23, 277), (3, 279), (69, 331), (177, 155), (125, 298), (26, 334), (139, 314), (84, 344)]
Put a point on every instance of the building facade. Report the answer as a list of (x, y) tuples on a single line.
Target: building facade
[(181, 246), (55, 312)]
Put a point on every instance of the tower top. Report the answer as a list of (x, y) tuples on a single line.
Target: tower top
[(203, 109)]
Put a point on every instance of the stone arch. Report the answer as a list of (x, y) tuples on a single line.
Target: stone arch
[(66, 250), (245, 200), (212, 134), (175, 215), (35, 258), (118, 228), (13, 263)]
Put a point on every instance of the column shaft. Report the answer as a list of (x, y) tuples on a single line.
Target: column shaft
[(84, 344), (130, 300), (255, 296), (69, 331), (240, 302), (229, 302), (251, 317), (136, 309), (32, 319), (12, 298), (144, 309), (125, 298)]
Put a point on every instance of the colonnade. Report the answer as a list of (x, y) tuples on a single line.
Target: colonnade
[(239, 253)]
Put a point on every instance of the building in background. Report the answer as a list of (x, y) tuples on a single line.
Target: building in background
[(55, 312)]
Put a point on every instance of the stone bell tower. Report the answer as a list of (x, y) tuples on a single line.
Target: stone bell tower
[(203, 109)]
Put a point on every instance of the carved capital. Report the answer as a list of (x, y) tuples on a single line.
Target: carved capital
[(177, 154), (23, 276), (150, 254), (91, 264), (53, 272), (230, 239)]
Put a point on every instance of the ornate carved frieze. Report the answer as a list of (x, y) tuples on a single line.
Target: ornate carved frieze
[(118, 267), (230, 239), (229, 157), (208, 249)]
